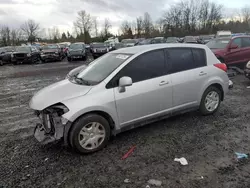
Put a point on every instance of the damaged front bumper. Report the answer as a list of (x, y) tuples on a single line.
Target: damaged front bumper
[(52, 127)]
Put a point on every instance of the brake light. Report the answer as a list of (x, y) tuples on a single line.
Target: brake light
[(221, 66)]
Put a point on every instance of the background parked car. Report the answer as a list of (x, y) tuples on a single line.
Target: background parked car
[(5, 54), (190, 39), (129, 42), (77, 51), (99, 49), (204, 39), (172, 40), (231, 50), (25, 54), (51, 52), (158, 40), (220, 34), (144, 42)]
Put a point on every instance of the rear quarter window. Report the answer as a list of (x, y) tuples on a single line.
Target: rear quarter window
[(200, 58), (183, 59)]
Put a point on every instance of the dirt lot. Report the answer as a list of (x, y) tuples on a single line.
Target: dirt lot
[(208, 143)]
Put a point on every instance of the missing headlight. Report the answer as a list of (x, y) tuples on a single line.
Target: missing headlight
[(58, 108)]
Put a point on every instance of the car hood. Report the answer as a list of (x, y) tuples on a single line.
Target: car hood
[(57, 92), (51, 50), (20, 53)]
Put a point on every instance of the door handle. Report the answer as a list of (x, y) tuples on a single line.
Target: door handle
[(202, 73), (163, 83)]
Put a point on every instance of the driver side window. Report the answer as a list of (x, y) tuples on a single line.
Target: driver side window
[(146, 66), (237, 42)]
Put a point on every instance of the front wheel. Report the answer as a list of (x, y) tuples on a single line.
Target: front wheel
[(210, 101), (89, 133)]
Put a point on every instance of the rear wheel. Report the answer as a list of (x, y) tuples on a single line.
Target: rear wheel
[(89, 134), (210, 101)]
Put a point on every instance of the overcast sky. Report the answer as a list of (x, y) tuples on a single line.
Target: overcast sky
[(62, 13)]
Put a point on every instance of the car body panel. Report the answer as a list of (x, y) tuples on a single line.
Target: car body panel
[(233, 56), (133, 104), (57, 93)]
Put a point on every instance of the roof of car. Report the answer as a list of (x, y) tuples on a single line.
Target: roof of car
[(145, 48)]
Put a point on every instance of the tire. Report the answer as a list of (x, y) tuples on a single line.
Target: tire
[(1, 63), (204, 108), (86, 121)]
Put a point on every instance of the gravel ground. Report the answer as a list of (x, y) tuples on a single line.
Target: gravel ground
[(208, 143)]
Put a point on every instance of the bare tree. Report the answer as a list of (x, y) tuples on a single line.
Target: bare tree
[(246, 15), (139, 26), (107, 27), (30, 28), (95, 26), (15, 36), (5, 35), (147, 24), (126, 29), (84, 24)]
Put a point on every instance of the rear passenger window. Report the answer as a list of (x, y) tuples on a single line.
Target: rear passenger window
[(245, 42), (200, 59), (181, 59)]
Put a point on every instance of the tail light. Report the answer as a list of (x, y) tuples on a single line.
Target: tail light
[(221, 66)]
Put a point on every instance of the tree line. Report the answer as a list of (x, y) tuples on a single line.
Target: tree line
[(187, 17)]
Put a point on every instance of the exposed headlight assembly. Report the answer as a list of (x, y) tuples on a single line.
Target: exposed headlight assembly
[(58, 108)]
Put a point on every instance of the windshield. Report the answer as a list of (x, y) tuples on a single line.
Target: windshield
[(218, 43), (189, 39), (129, 41), (224, 35), (98, 45), (76, 46), (23, 49), (99, 69), (205, 37), (51, 46), (7, 49)]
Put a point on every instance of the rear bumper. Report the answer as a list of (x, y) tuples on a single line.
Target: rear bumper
[(247, 73)]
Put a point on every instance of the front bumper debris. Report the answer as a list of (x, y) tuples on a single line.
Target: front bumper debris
[(50, 129), (247, 73), (231, 84)]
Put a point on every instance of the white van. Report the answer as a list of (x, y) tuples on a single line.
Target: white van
[(223, 34)]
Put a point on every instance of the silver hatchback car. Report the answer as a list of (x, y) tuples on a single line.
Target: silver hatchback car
[(127, 88)]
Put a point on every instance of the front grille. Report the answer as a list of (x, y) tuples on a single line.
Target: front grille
[(49, 53), (75, 53)]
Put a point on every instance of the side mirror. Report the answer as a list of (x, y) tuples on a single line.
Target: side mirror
[(124, 82), (233, 46)]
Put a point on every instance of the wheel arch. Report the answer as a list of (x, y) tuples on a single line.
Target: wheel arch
[(102, 113)]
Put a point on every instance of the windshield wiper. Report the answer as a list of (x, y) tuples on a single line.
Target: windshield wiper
[(81, 81)]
